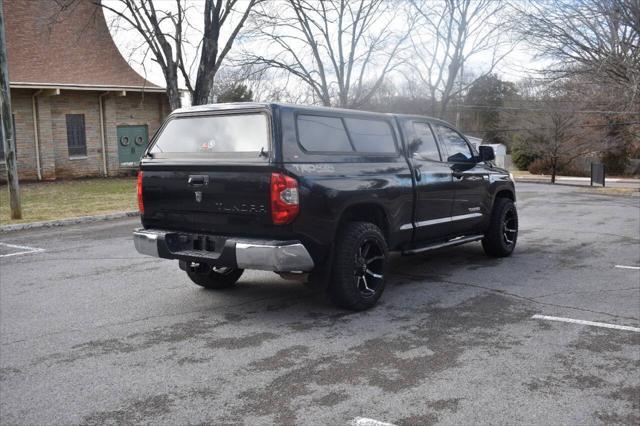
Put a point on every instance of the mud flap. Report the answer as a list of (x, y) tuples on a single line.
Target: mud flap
[(320, 278)]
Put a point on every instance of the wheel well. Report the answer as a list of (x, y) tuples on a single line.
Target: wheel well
[(505, 194), (371, 213)]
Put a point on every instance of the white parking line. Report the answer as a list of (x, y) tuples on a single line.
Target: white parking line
[(25, 250), (637, 268), (592, 323), (363, 421)]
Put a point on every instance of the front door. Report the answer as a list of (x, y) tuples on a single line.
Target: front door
[(434, 183), (470, 179), (132, 142)]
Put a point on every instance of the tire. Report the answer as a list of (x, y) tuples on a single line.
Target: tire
[(213, 278), (500, 239), (360, 263)]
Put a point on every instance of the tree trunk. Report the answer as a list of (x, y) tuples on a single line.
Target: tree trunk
[(204, 83), (207, 68), (443, 108), (434, 105), (174, 97), (173, 91)]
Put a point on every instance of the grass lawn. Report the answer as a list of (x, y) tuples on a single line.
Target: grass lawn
[(70, 198)]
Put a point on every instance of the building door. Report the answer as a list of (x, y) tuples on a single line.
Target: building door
[(132, 142)]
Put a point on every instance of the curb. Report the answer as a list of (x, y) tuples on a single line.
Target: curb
[(65, 222), (586, 180), (546, 182), (565, 183), (634, 192)]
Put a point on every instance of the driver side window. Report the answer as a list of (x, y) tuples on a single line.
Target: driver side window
[(455, 145)]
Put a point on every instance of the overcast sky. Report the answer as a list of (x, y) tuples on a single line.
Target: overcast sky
[(516, 65)]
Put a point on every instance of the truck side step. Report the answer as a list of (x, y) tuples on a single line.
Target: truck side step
[(453, 242)]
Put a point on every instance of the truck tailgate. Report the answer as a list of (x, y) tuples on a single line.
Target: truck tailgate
[(218, 199)]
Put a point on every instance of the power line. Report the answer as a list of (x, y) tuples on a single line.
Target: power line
[(547, 109), (551, 128)]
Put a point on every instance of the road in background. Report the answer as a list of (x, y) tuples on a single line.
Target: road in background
[(92, 332)]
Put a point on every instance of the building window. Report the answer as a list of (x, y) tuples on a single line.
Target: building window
[(76, 135)]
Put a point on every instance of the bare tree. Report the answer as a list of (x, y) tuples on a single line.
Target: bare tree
[(341, 49), (163, 25), (216, 14), (596, 39), (484, 101), (265, 83), (555, 126), (448, 34), (552, 137)]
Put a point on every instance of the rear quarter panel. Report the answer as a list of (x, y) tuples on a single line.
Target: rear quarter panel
[(327, 190)]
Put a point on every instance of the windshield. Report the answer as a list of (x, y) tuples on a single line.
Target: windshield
[(231, 136)]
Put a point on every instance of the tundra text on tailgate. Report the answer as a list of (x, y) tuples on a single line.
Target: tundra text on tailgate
[(315, 193)]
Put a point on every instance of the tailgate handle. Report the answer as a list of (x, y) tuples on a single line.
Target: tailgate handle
[(198, 180)]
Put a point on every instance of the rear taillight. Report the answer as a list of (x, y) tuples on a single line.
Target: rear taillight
[(140, 202), (285, 203)]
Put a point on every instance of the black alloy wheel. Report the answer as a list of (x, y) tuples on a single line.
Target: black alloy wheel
[(369, 268), (510, 226), (359, 266), (501, 237)]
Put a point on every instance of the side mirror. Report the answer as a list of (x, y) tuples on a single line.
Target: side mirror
[(486, 153), (459, 158)]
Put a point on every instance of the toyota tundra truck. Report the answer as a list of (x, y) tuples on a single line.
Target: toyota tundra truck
[(316, 194)]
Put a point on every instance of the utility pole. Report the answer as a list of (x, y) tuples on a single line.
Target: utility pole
[(7, 126)]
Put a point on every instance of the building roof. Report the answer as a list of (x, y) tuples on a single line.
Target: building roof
[(68, 49)]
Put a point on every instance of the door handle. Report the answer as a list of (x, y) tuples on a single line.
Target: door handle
[(467, 177), (198, 180)]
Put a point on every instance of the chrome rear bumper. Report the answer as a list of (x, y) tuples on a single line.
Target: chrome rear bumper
[(266, 255)]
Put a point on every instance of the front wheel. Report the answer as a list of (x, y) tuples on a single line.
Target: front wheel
[(213, 278), (359, 267), (500, 239)]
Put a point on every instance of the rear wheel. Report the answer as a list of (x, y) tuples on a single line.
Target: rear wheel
[(500, 239), (212, 277), (359, 267)]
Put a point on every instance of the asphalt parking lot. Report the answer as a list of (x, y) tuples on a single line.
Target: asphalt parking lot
[(93, 333)]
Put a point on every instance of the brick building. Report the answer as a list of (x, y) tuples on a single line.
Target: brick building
[(78, 107)]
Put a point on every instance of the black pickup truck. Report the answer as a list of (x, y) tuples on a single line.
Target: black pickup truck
[(317, 194)]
